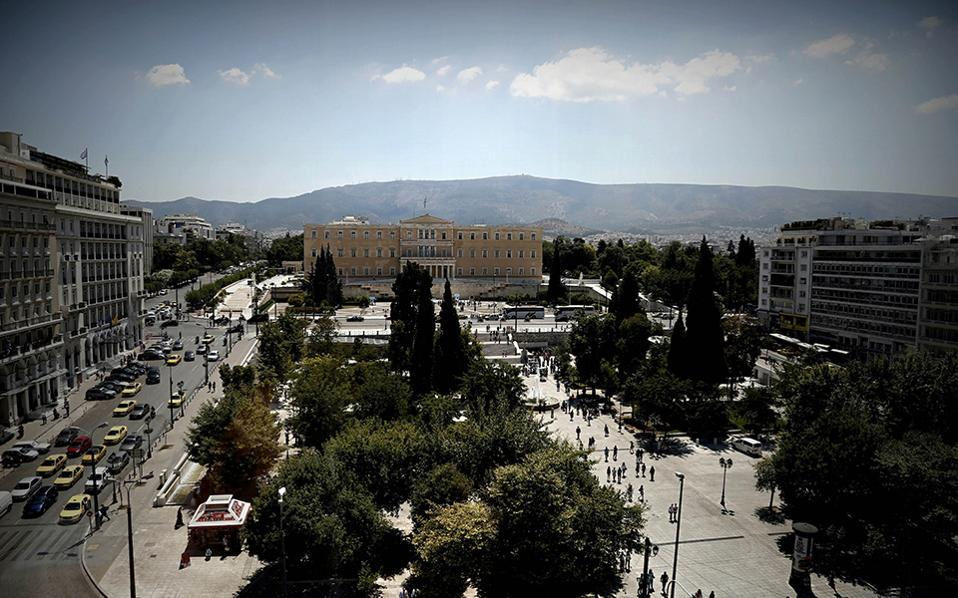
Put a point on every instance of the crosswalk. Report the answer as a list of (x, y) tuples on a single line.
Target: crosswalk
[(39, 542)]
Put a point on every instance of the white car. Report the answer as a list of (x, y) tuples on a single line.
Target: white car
[(213, 356), (40, 447), (103, 480), (26, 488)]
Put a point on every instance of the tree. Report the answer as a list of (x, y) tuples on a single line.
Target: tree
[(765, 478), (318, 398), (285, 249), (654, 397), (451, 546), (402, 313), (489, 383), (450, 355), (592, 342), (334, 288), (678, 354), (441, 486), (281, 344), (380, 393), (422, 347), (632, 343), (556, 292), (320, 337), (755, 412), (705, 340), (627, 296)]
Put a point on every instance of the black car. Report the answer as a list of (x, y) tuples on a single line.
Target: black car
[(169, 323), (134, 441), (66, 436), (355, 319), (150, 355), (117, 462), (13, 458), (152, 377), (6, 434), (237, 329), (122, 376), (222, 320), (139, 411), (138, 368), (95, 394), (42, 500)]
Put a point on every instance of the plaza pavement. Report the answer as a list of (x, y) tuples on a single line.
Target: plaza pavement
[(735, 555)]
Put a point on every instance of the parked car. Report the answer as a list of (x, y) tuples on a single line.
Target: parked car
[(79, 446), (177, 345), (237, 329), (13, 457), (117, 461), (66, 436), (42, 499), (6, 502), (150, 355), (122, 376), (355, 319), (26, 488), (6, 434), (153, 377), (68, 476), (40, 447), (76, 508)]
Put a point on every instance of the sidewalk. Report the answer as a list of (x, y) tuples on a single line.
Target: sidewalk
[(157, 546)]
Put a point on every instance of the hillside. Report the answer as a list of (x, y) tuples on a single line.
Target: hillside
[(510, 199)]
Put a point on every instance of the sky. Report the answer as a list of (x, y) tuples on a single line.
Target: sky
[(240, 101)]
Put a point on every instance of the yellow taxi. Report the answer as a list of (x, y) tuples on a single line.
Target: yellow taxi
[(75, 508), (124, 408), (51, 465), (207, 339), (68, 477), (115, 435), (132, 390), (176, 400), (174, 359), (94, 454)]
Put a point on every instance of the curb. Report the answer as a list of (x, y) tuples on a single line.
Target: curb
[(86, 571)]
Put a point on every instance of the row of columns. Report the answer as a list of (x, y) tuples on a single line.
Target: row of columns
[(442, 271)]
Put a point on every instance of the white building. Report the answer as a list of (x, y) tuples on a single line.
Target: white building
[(146, 218), (184, 226)]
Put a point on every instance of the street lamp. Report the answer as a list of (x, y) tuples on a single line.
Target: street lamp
[(650, 550), (129, 534), (96, 490), (726, 465), (169, 401), (678, 525), (282, 537)]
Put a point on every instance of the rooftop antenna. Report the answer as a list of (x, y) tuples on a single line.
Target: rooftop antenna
[(424, 200)]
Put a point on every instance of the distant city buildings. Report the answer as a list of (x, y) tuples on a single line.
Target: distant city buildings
[(364, 251), (180, 227), (71, 276), (877, 287)]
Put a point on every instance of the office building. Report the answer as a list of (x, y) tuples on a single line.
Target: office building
[(185, 226), (364, 252), (146, 218)]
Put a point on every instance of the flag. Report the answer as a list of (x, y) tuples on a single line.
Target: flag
[(106, 161), (83, 155)]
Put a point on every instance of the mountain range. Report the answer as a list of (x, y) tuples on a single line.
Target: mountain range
[(637, 208)]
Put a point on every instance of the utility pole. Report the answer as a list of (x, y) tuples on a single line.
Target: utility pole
[(678, 525), (129, 536)]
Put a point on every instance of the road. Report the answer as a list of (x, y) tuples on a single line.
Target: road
[(39, 556)]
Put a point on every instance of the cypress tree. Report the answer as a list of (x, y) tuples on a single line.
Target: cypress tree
[(402, 313), (677, 349), (317, 291), (420, 366), (449, 360), (334, 288), (705, 339), (556, 291), (626, 297)]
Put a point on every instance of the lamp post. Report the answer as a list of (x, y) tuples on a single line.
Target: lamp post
[(678, 525), (650, 550), (129, 535), (726, 464), (282, 537), (170, 399), (96, 490)]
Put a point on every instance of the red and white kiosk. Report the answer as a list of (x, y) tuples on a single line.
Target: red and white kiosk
[(217, 522)]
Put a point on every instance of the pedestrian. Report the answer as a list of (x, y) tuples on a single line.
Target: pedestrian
[(642, 492), (608, 475), (631, 447), (620, 425), (615, 453), (553, 413), (606, 430), (226, 544), (651, 473), (643, 470), (671, 513), (103, 513), (179, 518), (209, 553), (665, 581), (712, 594), (606, 454), (651, 581), (628, 493), (578, 431)]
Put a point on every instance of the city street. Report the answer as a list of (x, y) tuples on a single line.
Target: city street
[(41, 556)]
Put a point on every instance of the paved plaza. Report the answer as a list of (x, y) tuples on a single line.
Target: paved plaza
[(736, 555)]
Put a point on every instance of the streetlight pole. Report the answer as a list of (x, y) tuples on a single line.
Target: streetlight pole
[(726, 465), (650, 550), (282, 538), (678, 525), (129, 535), (96, 489), (170, 400)]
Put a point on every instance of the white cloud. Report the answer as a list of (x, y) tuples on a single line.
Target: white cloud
[(235, 76), (443, 70), (759, 58), (929, 24), (938, 104), (265, 71), (403, 74), (592, 74), (492, 84), (836, 44), (440, 59), (872, 61), (467, 75), (167, 74), (440, 88), (797, 82)]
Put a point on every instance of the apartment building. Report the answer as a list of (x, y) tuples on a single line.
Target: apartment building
[(146, 220), (938, 305), (364, 251), (183, 226), (73, 292), (850, 284)]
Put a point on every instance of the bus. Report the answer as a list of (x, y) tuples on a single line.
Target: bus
[(564, 313), (523, 312)]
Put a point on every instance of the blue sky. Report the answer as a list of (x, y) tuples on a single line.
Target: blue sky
[(242, 101)]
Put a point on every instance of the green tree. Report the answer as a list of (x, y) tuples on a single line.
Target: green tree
[(488, 384), (556, 292), (422, 347), (705, 340), (632, 343), (319, 395), (627, 296), (441, 486), (380, 393), (450, 354), (402, 313), (592, 342), (320, 337), (281, 344), (285, 249), (755, 412)]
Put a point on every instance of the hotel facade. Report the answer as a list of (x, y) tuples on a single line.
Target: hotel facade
[(364, 252)]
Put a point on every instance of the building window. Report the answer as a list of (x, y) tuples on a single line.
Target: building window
[(496, 272), (339, 234), (379, 271), (509, 253), (392, 252), (472, 253), (472, 236), (497, 253), (459, 272), (339, 252), (392, 234), (508, 271), (532, 253), (521, 235), (485, 253), (366, 252), (508, 236), (803, 280), (472, 271), (520, 254), (353, 270), (314, 234), (532, 271), (497, 236), (459, 253), (392, 271), (459, 236), (366, 271), (352, 252), (379, 234), (365, 234), (314, 252), (804, 268), (520, 272), (485, 236), (379, 252), (352, 234), (444, 235)]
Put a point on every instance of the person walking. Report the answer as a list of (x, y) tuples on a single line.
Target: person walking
[(665, 582), (608, 475), (651, 473), (578, 431), (712, 594), (615, 453), (651, 581), (606, 454), (607, 430), (631, 447), (643, 470), (642, 492)]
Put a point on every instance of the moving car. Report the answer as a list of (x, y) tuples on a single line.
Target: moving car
[(139, 411), (132, 390), (213, 356), (66, 436), (189, 356), (115, 435), (207, 338), (132, 442), (35, 445), (124, 408), (76, 508), (153, 377), (42, 500), (173, 359), (68, 477), (169, 323), (94, 454), (176, 400), (749, 446), (201, 349), (177, 345), (236, 329), (116, 462), (51, 465), (98, 481), (79, 446), (25, 488), (13, 457)]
